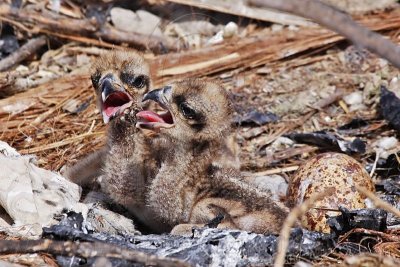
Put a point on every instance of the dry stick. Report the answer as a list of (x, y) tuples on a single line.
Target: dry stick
[(385, 236), (379, 203), (290, 221), (85, 250), (22, 53), (61, 143), (339, 22)]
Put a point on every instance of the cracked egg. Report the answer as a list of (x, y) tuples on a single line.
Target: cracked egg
[(328, 170)]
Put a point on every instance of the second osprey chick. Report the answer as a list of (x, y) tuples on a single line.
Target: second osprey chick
[(195, 183)]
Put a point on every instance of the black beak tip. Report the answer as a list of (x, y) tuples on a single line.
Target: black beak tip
[(153, 95), (107, 87)]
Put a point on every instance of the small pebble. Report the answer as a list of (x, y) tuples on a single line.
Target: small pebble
[(354, 98), (216, 39), (387, 143), (230, 30)]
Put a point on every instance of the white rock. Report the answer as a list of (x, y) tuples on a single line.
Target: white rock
[(216, 39), (282, 142), (231, 29), (122, 18), (387, 143), (354, 98), (148, 17), (327, 119), (141, 22)]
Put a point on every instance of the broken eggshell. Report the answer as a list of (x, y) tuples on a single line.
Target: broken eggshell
[(328, 170)]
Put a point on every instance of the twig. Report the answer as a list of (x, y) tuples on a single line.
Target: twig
[(339, 22), (375, 163), (290, 221), (379, 203), (387, 237), (39, 119), (64, 142), (22, 53), (85, 250), (276, 171)]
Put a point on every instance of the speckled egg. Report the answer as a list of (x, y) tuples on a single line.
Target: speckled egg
[(328, 170)]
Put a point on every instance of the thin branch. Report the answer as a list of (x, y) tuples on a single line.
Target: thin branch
[(85, 250), (22, 53), (339, 22)]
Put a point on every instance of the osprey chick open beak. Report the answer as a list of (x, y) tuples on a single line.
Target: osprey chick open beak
[(148, 119), (114, 99)]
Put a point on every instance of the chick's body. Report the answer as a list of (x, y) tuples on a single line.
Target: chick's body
[(196, 183), (130, 158)]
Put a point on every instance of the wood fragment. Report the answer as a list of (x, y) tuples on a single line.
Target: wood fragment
[(22, 53), (385, 236), (339, 22), (275, 171), (85, 250), (64, 142)]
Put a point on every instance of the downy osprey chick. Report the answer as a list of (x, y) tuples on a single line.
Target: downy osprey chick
[(130, 158), (195, 184)]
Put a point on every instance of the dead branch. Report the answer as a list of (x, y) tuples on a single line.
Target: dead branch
[(290, 221), (339, 22), (56, 25), (22, 53), (385, 236), (85, 250)]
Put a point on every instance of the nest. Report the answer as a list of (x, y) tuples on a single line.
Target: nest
[(302, 76)]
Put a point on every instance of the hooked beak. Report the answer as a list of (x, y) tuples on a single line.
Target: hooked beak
[(161, 96), (148, 119), (114, 98)]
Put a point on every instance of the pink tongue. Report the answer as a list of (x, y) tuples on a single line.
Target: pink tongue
[(111, 110), (149, 116)]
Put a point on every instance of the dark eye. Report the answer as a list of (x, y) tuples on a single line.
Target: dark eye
[(139, 81), (135, 81), (95, 79), (187, 111)]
